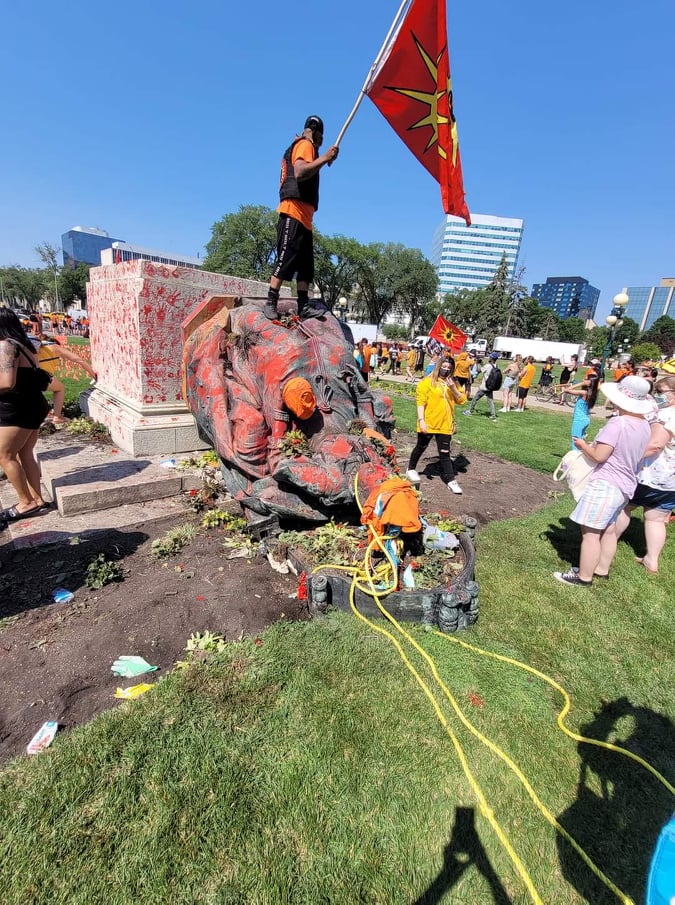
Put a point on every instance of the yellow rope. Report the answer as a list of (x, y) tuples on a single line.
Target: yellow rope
[(389, 567)]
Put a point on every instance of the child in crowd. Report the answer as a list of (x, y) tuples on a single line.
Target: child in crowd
[(587, 394)]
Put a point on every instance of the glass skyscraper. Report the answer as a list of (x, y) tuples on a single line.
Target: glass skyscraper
[(466, 257), (568, 296), (647, 304), (84, 244)]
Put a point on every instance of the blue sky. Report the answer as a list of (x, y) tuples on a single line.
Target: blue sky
[(154, 120)]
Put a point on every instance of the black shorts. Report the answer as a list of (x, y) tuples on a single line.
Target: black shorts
[(295, 251), (522, 392)]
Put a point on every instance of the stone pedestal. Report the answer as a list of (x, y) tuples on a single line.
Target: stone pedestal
[(136, 309)]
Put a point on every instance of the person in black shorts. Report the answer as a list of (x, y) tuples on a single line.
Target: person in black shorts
[(23, 408), (299, 198)]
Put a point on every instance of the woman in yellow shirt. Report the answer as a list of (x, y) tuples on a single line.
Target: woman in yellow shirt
[(463, 364), (437, 396)]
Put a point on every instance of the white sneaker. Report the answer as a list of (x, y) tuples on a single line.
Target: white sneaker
[(503, 410), (413, 476), (454, 486)]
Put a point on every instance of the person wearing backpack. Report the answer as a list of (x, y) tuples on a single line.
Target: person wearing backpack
[(492, 380)]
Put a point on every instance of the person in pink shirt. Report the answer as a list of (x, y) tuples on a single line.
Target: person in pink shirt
[(617, 451)]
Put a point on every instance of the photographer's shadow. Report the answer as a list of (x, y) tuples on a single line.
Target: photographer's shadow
[(620, 806), (463, 851)]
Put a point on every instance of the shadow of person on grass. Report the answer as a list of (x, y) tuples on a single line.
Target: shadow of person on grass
[(463, 851), (620, 807), (432, 466), (565, 537)]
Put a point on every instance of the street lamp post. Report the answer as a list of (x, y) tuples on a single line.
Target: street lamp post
[(614, 320)]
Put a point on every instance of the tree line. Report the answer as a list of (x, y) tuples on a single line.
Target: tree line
[(380, 279), (25, 287)]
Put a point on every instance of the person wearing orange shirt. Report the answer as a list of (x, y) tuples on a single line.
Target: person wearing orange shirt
[(525, 382), (627, 369), (299, 198)]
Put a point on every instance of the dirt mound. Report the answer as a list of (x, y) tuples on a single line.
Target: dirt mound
[(55, 659)]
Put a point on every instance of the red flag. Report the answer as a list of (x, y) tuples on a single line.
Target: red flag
[(412, 89), (448, 334), (118, 256)]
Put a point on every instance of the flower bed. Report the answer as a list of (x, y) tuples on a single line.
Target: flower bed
[(444, 593)]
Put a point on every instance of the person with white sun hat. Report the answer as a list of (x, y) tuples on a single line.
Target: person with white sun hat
[(617, 452)]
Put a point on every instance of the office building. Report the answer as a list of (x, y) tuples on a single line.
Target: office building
[(83, 245), (647, 304), (466, 257), (93, 246), (568, 297), (123, 251)]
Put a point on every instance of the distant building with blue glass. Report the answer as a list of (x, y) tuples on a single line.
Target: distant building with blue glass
[(647, 304), (84, 244), (89, 245), (467, 257), (568, 297)]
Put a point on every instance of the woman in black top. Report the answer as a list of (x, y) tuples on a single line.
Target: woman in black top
[(23, 408)]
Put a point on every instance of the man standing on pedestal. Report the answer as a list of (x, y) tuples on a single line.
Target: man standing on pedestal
[(299, 198)]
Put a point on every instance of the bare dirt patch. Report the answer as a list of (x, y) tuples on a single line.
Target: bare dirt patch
[(55, 659)]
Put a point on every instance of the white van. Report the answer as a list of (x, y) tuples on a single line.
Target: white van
[(479, 346)]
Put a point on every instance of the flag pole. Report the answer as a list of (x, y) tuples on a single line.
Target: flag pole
[(378, 58)]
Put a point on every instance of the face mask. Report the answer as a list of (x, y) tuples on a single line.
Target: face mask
[(660, 400), (444, 374)]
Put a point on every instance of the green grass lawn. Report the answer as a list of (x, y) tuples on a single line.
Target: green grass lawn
[(312, 768), (536, 438)]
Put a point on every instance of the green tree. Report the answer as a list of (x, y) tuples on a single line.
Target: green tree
[(428, 315), (629, 331), (336, 266), (596, 342), (662, 334), (572, 330), (645, 351), (550, 324), (416, 283), (533, 315), (243, 244), (395, 331), (49, 255), (23, 285), (73, 284), (391, 277)]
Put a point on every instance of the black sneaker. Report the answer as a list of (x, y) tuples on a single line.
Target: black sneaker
[(271, 310), (314, 308), (571, 578)]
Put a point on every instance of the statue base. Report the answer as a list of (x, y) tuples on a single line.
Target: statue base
[(149, 433)]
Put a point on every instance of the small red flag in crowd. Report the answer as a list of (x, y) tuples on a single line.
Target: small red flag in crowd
[(448, 334), (412, 89)]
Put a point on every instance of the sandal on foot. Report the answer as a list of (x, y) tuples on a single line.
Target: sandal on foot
[(14, 515), (640, 561)]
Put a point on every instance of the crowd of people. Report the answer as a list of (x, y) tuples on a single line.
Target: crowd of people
[(633, 455), (60, 323)]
